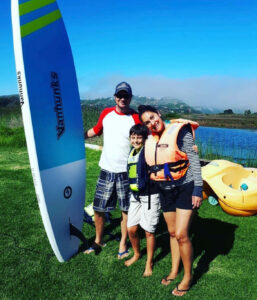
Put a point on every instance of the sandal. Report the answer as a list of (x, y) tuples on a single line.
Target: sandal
[(180, 291), (123, 254), (167, 280), (96, 248)]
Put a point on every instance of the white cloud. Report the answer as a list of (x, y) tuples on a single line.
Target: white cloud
[(218, 92)]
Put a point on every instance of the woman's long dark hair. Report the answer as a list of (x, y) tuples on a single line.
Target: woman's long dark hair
[(144, 108)]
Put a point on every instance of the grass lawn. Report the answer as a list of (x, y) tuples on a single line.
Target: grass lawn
[(225, 260)]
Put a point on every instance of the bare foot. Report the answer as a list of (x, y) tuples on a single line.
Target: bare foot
[(148, 270), (132, 260)]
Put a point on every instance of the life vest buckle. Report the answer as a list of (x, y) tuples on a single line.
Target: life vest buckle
[(155, 169)]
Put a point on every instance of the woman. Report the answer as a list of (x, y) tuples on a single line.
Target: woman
[(175, 165)]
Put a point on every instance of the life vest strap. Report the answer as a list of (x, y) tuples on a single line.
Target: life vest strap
[(182, 163)]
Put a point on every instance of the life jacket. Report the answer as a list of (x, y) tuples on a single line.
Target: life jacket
[(166, 161), (137, 170)]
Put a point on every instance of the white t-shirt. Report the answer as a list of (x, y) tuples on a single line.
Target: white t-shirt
[(115, 127)]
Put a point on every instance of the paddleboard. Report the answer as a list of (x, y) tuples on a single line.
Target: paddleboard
[(52, 118)]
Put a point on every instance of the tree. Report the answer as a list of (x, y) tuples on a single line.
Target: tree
[(228, 111), (247, 112)]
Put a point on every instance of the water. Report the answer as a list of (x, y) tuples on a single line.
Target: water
[(239, 144)]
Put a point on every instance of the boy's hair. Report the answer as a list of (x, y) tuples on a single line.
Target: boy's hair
[(139, 129), (144, 108)]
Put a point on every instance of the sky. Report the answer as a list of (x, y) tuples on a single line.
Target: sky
[(203, 52)]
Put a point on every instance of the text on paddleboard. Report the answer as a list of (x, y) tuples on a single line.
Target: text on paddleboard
[(58, 106), (20, 88)]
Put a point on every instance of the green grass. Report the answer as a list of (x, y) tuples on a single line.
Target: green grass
[(224, 262), (12, 137), (10, 117), (224, 120)]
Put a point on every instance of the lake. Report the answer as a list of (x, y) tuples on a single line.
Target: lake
[(240, 144)]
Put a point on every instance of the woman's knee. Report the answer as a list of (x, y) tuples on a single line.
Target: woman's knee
[(181, 237), (172, 233)]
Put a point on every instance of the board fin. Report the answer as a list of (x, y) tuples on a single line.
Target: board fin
[(76, 232)]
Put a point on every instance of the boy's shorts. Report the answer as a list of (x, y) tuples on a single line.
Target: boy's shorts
[(110, 187), (176, 197), (139, 214)]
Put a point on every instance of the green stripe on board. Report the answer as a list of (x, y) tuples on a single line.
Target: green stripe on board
[(29, 6), (39, 23)]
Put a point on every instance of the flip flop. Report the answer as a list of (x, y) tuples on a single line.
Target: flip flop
[(95, 248), (180, 291), (124, 254), (169, 280)]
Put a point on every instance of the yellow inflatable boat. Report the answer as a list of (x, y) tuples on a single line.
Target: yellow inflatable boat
[(233, 185)]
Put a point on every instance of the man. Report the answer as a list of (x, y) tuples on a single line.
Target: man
[(115, 123)]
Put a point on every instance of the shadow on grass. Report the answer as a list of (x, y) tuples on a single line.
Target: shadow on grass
[(162, 239), (111, 224), (14, 243), (210, 238)]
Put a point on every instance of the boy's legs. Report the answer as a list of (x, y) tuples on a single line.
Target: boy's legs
[(135, 242), (150, 245), (133, 221), (148, 221)]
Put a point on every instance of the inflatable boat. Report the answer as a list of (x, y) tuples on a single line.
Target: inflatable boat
[(234, 186)]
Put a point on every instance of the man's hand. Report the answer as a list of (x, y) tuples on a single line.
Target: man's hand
[(90, 133), (195, 148)]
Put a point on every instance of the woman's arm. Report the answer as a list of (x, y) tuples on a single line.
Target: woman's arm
[(188, 147)]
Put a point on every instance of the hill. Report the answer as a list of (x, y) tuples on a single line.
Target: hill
[(165, 104), (9, 101), (10, 114)]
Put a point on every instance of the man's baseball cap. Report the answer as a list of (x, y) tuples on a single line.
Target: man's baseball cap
[(123, 86)]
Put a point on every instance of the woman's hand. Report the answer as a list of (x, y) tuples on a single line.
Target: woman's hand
[(196, 201)]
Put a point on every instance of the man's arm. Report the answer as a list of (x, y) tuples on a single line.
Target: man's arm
[(98, 128), (89, 134)]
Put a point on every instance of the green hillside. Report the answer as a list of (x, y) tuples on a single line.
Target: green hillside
[(165, 104)]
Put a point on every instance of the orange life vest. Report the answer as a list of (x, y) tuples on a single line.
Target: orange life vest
[(165, 159)]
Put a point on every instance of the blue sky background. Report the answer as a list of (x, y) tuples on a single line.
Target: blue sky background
[(201, 51)]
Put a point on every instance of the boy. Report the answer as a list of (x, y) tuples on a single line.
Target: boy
[(140, 212)]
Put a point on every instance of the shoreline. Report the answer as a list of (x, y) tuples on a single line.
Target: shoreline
[(225, 121)]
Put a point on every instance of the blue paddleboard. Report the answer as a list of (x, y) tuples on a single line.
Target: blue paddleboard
[(52, 118)]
